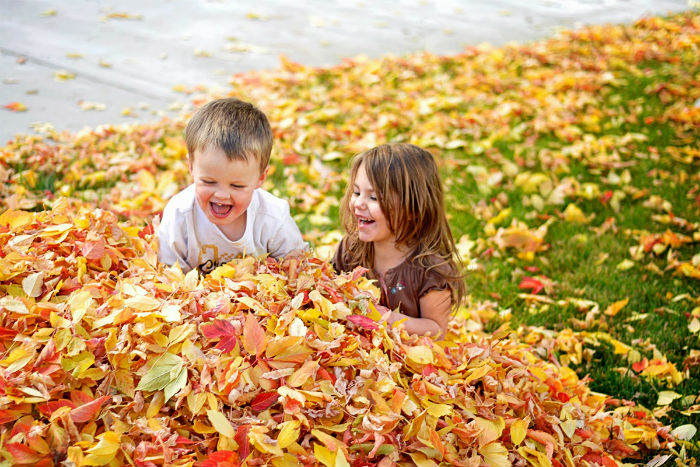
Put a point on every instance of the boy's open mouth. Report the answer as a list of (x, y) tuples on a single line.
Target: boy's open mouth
[(220, 210)]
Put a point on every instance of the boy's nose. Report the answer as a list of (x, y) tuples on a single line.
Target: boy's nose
[(221, 193)]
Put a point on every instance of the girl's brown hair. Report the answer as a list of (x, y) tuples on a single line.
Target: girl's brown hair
[(407, 184)]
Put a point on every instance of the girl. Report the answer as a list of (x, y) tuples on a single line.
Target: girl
[(395, 224)]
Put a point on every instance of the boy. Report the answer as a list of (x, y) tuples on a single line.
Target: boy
[(225, 213)]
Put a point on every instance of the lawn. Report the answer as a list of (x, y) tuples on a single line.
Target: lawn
[(572, 172)]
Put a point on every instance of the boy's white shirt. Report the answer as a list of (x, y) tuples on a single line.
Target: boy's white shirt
[(188, 237)]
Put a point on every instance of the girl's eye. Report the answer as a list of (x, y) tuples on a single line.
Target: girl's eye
[(355, 193), (373, 198)]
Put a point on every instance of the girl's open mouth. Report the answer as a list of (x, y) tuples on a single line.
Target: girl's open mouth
[(362, 221), (220, 210)]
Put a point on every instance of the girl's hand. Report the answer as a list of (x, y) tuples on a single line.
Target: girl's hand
[(386, 314)]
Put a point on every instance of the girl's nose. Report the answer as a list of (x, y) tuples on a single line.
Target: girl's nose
[(360, 201)]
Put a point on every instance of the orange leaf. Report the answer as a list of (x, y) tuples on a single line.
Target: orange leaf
[(221, 459), (16, 106), (254, 340)]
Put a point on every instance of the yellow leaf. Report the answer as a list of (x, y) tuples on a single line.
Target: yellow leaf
[(17, 359), (500, 217), (324, 455), (518, 430), (477, 372), (619, 347), (666, 397), (613, 309), (301, 375), (105, 450), (490, 430), (684, 432), (440, 410), (146, 180), (288, 434), (694, 326), (340, 460), (287, 460), (16, 219), (264, 444), (33, 284), (79, 303), (421, 460), (63, 75), (625, 264), (495, 454), (221, 423), (329, 441), (573, 214), (142, 303), (569, 427), (534, 457), (223, 271), (420, 354)]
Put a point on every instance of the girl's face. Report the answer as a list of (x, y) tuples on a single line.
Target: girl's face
[(372, 225)]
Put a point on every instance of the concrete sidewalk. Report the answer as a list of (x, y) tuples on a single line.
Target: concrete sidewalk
[(84, 62)]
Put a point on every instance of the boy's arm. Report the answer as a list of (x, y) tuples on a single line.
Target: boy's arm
[(172, 241), (436, 309), (287, 239)]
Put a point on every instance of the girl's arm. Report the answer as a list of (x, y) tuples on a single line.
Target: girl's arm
[(436, 308)]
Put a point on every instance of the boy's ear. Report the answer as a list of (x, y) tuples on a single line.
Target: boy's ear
[(190, 160), (263, 177)]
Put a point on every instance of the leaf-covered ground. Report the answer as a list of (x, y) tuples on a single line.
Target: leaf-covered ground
[(572, 169)]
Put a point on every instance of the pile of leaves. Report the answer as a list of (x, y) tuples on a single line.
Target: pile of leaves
[(112, 359), (571, 168)]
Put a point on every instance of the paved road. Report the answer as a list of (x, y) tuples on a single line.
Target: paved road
[(87, 62)]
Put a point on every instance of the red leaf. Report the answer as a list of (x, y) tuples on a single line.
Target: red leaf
[(87, 411), (221, 459), (217, 328), (264, 401), (363, 322), (640, 365), (291, 158), (47, 353), (223, 329), (80, 397), (6, 333), (183, 440), (531, 283), (51, 406), (148, 230), (242, 440), (227, 344), (23, 454), (94, 249), (9, 416)]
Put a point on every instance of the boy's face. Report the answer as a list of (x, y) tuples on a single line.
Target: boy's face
[(224, 188)]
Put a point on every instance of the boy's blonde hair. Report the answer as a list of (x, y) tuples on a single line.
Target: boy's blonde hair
[(407, 184), (239, 128)]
